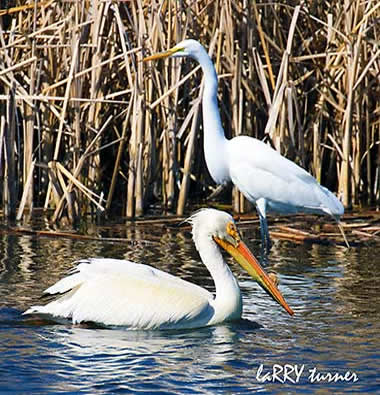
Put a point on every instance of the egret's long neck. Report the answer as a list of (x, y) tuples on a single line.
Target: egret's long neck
[(213, 133), (228, 302)]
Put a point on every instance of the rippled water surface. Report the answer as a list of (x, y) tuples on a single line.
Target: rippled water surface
[(335, 330)]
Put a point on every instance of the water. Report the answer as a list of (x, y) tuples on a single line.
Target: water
[(334, 293)]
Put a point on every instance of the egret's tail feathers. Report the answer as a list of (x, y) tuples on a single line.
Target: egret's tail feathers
[(336, 209), (333, 205)]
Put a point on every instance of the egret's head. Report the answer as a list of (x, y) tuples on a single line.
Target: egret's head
[(186, 48)]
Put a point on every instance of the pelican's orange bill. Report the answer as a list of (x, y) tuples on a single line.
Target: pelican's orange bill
[(245, 258)]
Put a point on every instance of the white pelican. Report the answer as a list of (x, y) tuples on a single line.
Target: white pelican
[(119, 292), (267, 179)]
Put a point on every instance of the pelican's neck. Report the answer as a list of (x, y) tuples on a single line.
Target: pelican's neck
[(213, 133), (227, 302)]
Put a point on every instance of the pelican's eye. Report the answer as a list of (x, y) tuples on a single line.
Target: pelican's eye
[(232, 231)]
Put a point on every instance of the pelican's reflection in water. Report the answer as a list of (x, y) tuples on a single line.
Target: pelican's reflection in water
[(116, 342), (102, 355)]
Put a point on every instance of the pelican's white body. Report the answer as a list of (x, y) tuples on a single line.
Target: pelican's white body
[(265, 178), (120, 292)]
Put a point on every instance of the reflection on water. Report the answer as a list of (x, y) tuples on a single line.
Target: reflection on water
[(333, 292)]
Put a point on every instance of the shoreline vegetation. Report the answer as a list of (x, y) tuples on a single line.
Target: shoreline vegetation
[(88, 130), (362, 228)]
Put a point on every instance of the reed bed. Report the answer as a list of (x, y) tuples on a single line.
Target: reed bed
[(87, 128)]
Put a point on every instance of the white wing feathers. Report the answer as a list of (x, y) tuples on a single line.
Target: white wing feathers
[(261, 172), (90, 268), (121, 292)]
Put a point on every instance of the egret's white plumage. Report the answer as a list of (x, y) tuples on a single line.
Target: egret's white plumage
[(120, 292), (267, 179)]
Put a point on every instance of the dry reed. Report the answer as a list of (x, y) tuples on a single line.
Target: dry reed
[(86, 127)]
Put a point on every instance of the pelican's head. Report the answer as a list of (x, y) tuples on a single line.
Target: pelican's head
[(186, 48), (220, 227)]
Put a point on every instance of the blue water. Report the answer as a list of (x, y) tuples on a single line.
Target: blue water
[(335, 330)]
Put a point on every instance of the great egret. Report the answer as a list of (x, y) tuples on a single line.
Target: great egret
[(119, 292), (267, 179)]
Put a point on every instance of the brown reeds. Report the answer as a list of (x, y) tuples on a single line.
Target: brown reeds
[(86, 127)]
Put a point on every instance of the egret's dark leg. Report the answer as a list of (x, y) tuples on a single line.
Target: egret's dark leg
[(264, 232)]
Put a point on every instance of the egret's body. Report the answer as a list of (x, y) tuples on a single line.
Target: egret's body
[(267, 179), (119, 292)]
